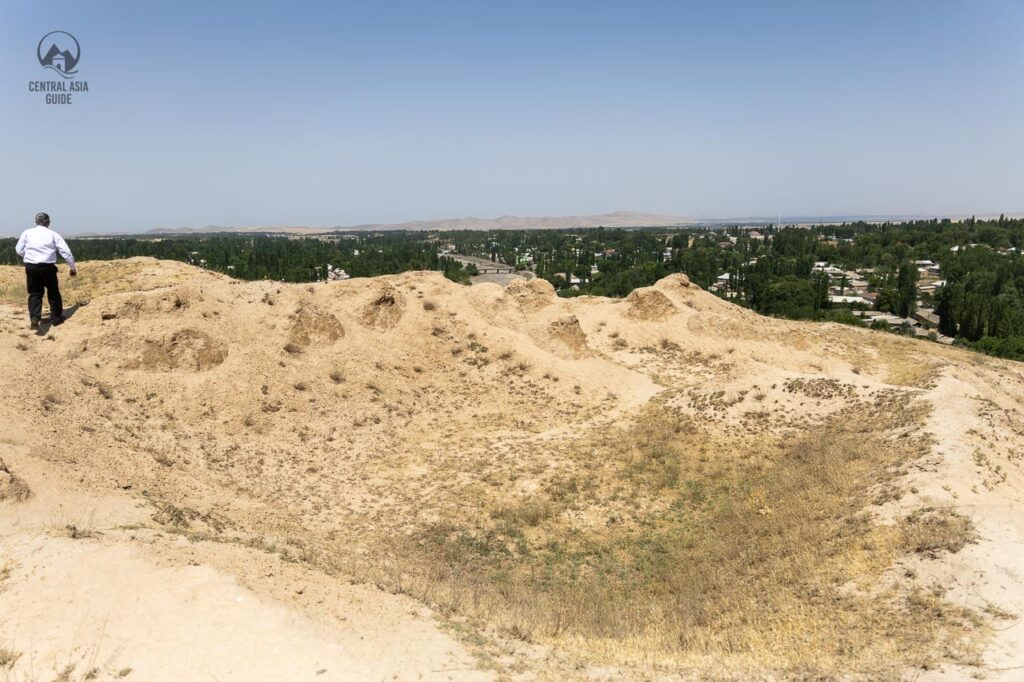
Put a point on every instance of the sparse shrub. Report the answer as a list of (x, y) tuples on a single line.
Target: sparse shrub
[(429, 305), (301, 386), (163, 459), (668, 345), (292, 348), (337, 377), (76, 533), (929, 531), (8, 658)]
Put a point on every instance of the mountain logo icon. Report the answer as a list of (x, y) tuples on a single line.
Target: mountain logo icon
[(59, 50)]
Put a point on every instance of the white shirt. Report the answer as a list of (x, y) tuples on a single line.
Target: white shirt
[(41, 244)]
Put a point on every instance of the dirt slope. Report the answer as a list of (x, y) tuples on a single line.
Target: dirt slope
[(656, 486)]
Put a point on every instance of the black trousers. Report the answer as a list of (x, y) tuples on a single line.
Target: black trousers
[(41, 276)]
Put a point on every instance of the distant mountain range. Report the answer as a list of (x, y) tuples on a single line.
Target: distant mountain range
[(624, 219), (507, 222)]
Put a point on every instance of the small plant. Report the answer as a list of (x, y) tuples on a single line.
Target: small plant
[(668, 345), (76, 533), (429, 305), (292, 349), (930, 530), (8, 658), (337, 377), (301, 386), (163, 459)]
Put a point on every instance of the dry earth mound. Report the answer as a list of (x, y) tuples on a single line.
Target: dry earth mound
[(582, 488), (649, 304), (385, 309), (567, 330), (188, 349), (11, 487), (530, 295), (314, 326)]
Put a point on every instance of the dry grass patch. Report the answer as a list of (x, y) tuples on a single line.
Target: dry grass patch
[(930, 531), (705, 553)]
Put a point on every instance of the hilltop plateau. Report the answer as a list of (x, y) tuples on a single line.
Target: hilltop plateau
[(403, 477)]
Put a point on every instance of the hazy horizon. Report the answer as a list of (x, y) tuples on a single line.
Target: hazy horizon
[(321, 115), (685, 221)]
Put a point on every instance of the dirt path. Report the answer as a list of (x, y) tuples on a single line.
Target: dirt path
[(973, 475), (89, 588)]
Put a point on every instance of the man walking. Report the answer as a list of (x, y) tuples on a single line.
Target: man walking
[(39, 247)]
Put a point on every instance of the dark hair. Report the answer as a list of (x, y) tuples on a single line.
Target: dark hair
[(42, 219)]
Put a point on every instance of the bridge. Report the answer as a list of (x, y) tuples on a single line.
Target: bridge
[(484, 266)]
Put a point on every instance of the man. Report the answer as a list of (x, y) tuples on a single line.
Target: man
[(38, 247)]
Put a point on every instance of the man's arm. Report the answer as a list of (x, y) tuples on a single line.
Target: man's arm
[(62, 247), (20, 248)]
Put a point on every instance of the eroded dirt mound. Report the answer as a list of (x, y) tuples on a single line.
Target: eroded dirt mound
[(11, 487), (312, 325), (677, 282), (649, 304), (568, 331), (385, 309), (173, 300), (646, 477), (530, 295), (188, 349)]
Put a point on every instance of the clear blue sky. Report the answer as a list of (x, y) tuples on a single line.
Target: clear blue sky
[(320, 114)]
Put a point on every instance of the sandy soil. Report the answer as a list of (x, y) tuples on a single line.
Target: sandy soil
[(213, 462), (94, 591)]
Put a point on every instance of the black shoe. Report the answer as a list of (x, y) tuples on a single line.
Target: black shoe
[(34, 323), (55, 321)]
